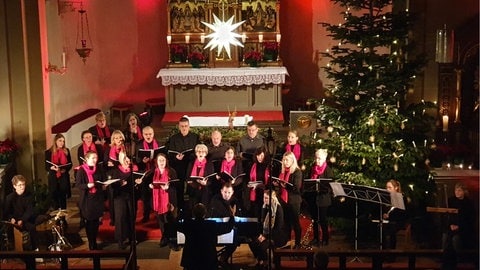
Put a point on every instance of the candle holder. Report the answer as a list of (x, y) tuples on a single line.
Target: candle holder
[(55, 69)]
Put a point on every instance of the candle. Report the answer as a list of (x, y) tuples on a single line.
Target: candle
[(187, 39), (445, 123), (244, 37), (260, 38), (202, 38), (64, 64), (279, 37), (169, 40)]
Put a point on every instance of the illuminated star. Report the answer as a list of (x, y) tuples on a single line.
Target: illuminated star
[(223, 35)]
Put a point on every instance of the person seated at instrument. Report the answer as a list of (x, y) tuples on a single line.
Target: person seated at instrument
[(101, 132), (164, 198), (123, 199), (460, 228), (91, 196), (133, 134), (319, 197), (396, 218), (230, 171), (223, 205), (19, 209), (259, 176), (88, 145), (200, 249), (58, 164), (273, 233), (289, 186), (199, 186)]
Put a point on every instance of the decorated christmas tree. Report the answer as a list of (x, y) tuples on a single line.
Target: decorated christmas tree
[(370, 130)]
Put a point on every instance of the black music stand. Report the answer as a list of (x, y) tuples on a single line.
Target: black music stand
[(368, 194)]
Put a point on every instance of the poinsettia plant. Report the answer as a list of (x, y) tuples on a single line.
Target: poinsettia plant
[(178, 52), (7, 150), (252, 57), (196, 58)]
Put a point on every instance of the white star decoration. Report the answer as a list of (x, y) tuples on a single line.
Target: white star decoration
[(223, 35)]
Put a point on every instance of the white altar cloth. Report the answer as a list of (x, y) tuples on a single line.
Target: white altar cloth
[(218, 121), (223, 76)]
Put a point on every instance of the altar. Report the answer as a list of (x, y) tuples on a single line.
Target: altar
[(223, 89)]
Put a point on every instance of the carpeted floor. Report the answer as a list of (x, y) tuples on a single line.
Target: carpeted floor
[(146, 250)]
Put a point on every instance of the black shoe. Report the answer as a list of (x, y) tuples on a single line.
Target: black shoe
[(314, 242), (175, 247), (122, 246), (163, 242)]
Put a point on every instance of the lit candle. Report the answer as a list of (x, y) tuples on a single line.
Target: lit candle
[(445, 123), (187, 39), (169, 40), (279, 37), (244, 37), (202, 39), (260, 38), (64, 64)]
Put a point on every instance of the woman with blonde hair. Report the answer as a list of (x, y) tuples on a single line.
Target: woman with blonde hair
[(289, 184), (58, 163)]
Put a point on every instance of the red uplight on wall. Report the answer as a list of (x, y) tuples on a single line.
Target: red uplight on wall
[(146, 5)]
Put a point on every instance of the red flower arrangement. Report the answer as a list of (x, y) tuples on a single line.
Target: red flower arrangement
[(196, 58), (270, 47), (178, 52), (7, 150), (252, 57)]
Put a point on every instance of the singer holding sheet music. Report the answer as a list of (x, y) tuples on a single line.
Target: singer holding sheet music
[(259, 175), (180, 153), (289, 184), (58, 164), (164, 198), (133, 134), (122, 199), (318, 196), (91, 196), (230, 171), (200, 170), (101, 132), (146, 152), (110, 162)]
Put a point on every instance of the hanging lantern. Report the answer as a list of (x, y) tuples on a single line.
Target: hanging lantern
[(84, 42)]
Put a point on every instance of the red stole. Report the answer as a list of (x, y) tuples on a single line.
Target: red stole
[(100, 132), (318, 170), (227, 166), (160, 196), (90, 173), (139, 133), (114, 151), (285, 176), (198, 169), (295, 149), (87, 148), (253, 178), (59, 158)]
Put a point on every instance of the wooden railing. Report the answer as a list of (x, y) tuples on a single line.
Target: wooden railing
[(29, 257), (377, 256)]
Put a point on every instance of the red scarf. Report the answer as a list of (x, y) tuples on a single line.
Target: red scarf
[(139, 133), (160, 196), (227, 166), (100, 132), (296, 149), (285, 176), (114, 151), (253, 178), (196, 165), (90, 173), (60, 158), (146, 146), (318, 170), (87, 148)]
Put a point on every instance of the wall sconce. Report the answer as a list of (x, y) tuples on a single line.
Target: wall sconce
[(260, 38), (55, 69), (83, 33)]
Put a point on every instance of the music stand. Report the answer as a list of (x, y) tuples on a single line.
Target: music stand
[(367, 194), (321, 184)]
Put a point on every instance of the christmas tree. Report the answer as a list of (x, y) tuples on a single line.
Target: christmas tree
[(371, 133)]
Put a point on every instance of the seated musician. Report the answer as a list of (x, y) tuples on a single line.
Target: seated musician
[(272, 229), (19, 209), (224, 205), (200, 250), (396, 219)]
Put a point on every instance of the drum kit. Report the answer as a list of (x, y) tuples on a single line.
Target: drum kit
[(58, 226)]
